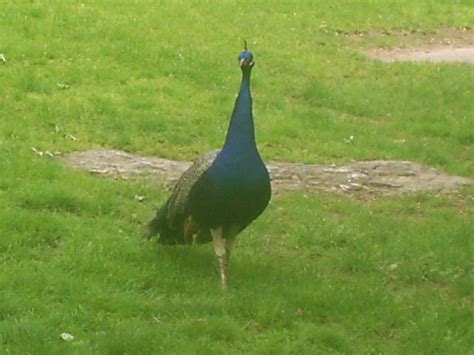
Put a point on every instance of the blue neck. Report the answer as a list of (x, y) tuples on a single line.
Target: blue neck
[(241, 134)]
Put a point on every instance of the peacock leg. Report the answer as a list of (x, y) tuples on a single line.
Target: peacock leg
[(231, 237), (221, 254)]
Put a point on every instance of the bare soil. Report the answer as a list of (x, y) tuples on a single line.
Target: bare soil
[(443, 45), (360, 179), (426, 53)]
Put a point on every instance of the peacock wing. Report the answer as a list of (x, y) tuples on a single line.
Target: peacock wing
[(179, 196)]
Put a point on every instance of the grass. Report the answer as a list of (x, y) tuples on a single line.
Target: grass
[(315, 274)]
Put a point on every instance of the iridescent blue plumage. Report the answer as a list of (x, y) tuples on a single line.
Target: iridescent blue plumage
[(223, 192)]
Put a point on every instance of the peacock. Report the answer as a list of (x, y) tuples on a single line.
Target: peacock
[(223, 191)]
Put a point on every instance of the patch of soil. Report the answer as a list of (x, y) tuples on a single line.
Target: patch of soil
[(435, 55), (444, 45), (360, 179)]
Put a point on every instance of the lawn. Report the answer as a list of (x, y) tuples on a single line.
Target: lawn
[(317, 273)]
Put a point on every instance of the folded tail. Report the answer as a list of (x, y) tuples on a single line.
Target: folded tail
[(160, 225)]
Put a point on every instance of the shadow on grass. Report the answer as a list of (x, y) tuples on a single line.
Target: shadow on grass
[(198, 266)]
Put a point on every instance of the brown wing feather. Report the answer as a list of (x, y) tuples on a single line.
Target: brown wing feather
[(177, 200)]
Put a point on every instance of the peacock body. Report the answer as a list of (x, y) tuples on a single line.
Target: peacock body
[(223, 191)]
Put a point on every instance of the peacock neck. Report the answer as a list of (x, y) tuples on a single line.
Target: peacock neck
[(241, 133)]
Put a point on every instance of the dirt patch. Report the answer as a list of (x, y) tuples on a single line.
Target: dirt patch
[(444, 45), (435, 55), (360, 179)]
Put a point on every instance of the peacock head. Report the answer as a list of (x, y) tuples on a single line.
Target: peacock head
[(246, 58)]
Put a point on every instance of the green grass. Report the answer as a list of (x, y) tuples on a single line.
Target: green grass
[(315, 274)]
